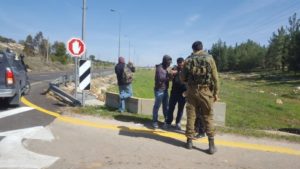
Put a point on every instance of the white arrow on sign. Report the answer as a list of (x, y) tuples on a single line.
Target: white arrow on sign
[(14, 155)]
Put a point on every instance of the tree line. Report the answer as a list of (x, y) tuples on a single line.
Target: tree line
[(38, 46), (6, 40), (282, 53)]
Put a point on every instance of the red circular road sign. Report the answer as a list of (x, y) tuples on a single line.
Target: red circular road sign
[(76, 47)]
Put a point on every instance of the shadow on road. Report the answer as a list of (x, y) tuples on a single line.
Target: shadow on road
[(146, 122), (5, 105), (125, 131), (150, 135)]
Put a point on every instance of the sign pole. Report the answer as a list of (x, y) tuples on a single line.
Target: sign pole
[(76, 76), (76, 48)]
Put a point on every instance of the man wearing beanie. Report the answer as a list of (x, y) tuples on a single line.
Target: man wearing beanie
[(162, 77), (124, 77)]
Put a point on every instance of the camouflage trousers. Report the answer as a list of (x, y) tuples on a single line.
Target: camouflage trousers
[(199, 98)]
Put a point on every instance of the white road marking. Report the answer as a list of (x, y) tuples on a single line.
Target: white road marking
[(35, 83), (14, 111), (14, 155)]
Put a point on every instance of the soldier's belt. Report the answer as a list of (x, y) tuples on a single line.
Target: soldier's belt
[(200, 86)]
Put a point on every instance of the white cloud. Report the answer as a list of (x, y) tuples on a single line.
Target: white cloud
[(192, 19)]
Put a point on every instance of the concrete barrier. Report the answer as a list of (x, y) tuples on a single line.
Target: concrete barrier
[(145, 106)]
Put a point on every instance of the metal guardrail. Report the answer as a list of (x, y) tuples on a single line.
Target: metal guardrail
[(54, 87)]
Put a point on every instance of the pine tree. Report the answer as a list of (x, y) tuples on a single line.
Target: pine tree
[(293, 50), (28, 47)]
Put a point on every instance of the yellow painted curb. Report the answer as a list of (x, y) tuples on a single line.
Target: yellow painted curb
[(178, 136)]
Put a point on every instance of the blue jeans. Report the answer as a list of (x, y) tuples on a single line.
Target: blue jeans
[(161, 96), (176, 97), (125, 92)]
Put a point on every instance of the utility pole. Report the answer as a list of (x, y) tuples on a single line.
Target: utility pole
[(83, 39), (76, 58), (129, 52), (83, 23), (120, 23)]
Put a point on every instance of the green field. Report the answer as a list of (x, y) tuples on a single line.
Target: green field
[(250, 98), (251, 101), (143, 84)]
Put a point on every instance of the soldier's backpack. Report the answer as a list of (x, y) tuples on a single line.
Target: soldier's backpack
[(200, 70), (127, 75)]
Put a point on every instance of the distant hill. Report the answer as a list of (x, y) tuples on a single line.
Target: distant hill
[(6, 40), (18, 48)]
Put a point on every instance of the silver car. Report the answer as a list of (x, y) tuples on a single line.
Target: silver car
[(13, 79)]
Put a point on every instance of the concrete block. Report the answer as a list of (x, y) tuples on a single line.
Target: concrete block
[(219, 109), (145, 106), (112, 100), (132, 105)]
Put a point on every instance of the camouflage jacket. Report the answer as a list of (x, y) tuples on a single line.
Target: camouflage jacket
[(214, 73)]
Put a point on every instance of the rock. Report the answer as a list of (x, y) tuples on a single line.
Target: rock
[(279, 101), (261, 91), (274, 94)]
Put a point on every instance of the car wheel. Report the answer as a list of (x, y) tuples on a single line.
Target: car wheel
[(16, 100), (27, 88), (4, 102)]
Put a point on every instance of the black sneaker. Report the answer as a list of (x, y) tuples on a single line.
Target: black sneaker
[(166, 126), (155, 125)]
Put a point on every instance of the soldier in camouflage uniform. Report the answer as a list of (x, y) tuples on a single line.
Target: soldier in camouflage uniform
[(200, 74)]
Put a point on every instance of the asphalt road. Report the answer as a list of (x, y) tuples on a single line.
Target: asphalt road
[(39, 84), (34, 135)]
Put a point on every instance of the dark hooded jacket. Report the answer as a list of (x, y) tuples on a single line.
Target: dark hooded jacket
[(119, 70), (161, 78), (161, 74)]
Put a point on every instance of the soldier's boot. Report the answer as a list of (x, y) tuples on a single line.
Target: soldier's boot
[(211, 143), (189, 143)]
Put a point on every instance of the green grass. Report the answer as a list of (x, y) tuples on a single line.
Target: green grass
[(251, 103), (143, 84)]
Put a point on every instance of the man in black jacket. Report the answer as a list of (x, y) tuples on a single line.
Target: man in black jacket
[(124, 77), (178, 88)]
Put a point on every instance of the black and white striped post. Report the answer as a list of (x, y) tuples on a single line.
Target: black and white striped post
[(84, 74), (84, 77)]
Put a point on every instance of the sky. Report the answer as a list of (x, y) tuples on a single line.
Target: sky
[(149, 28)]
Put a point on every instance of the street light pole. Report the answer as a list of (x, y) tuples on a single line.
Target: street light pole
[(83, 23), (120, 21), (129, 51)]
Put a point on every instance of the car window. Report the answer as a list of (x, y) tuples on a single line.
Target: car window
[(18, 65), (1, 57)]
